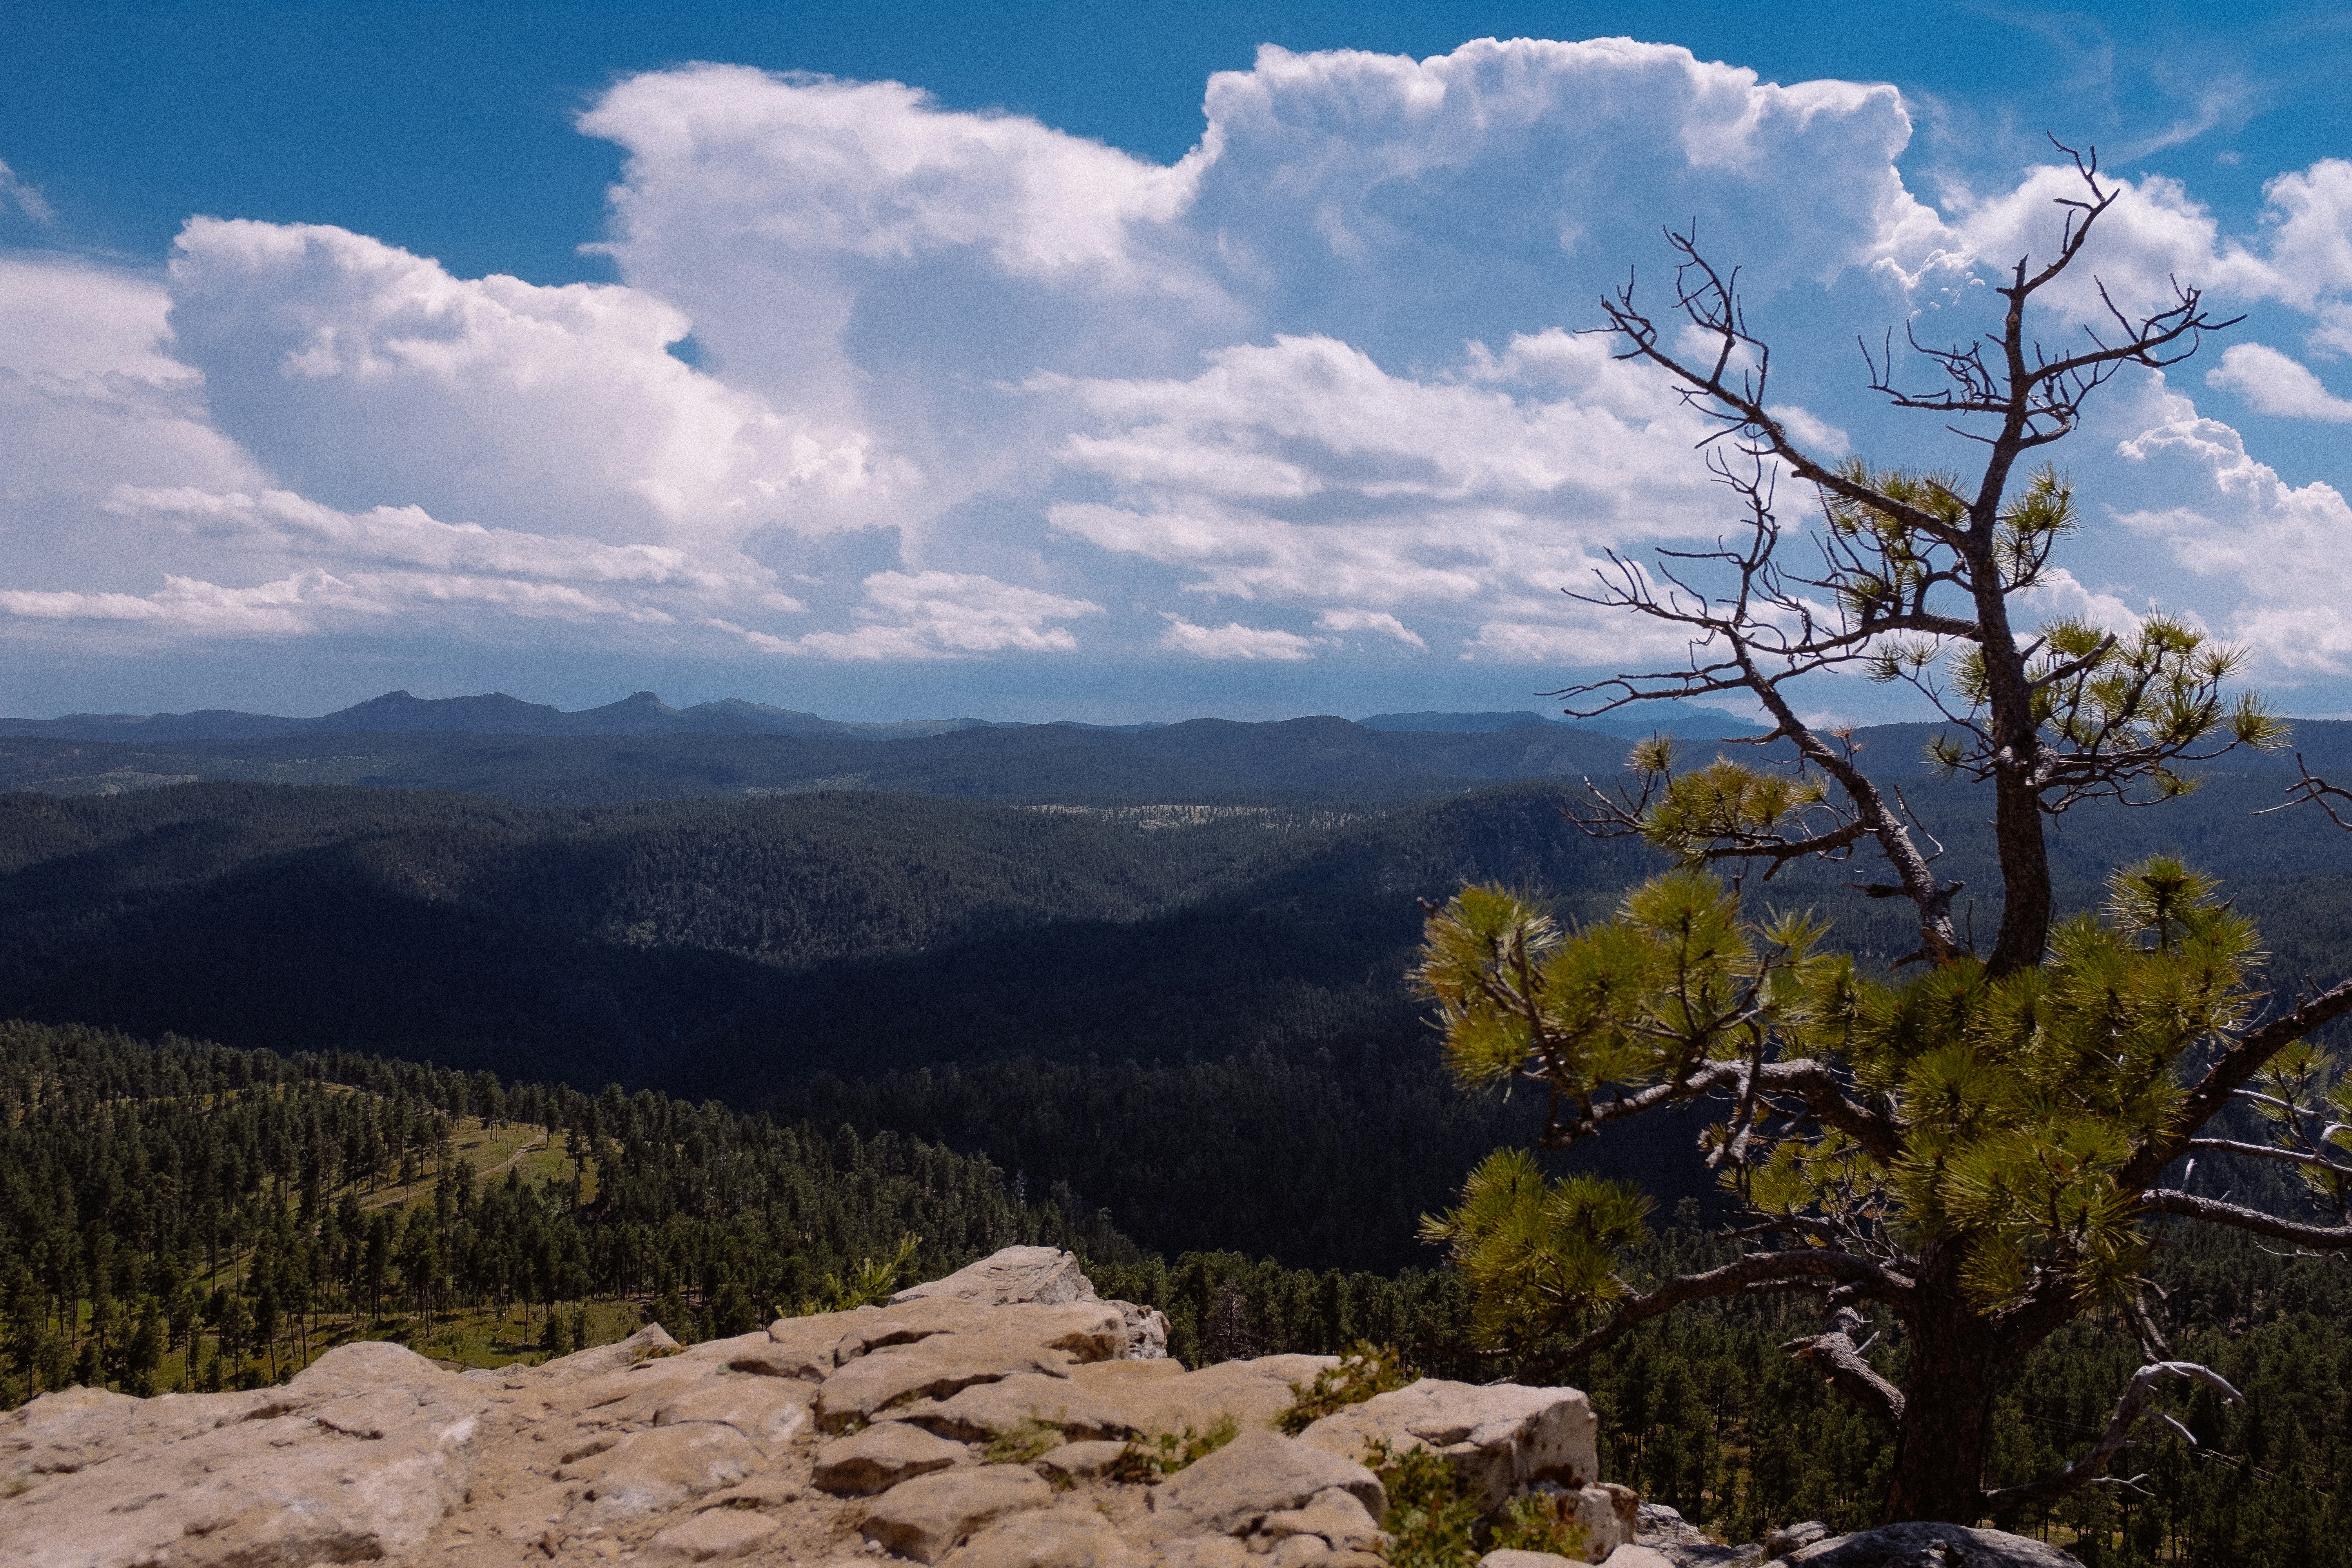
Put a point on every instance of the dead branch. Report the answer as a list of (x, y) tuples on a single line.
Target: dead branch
[(2129, 1407)]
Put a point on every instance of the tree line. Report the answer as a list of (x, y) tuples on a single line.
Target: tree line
[(228, 1208)]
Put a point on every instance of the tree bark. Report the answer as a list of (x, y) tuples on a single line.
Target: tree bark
[(1959, 1364), (2025, 906)]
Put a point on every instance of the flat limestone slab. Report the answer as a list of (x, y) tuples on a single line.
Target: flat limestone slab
[(1231, 1492), (1161, 1396), (928, 1517), (1009, 1276), (1057, 1538), (640, 1474), (360, 1455), (882, 1456), (933, 1368), (711, 1537), (1500, 1438), (985, 1409)]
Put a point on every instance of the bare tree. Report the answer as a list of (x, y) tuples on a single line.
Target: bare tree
[(1978, 1150)]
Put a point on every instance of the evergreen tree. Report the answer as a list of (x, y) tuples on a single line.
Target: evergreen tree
[(1983, 1152)]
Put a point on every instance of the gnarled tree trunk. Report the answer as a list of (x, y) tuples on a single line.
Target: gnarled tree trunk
[(1960, 1363)]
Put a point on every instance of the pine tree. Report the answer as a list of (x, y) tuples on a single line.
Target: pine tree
[(1982, 1151)]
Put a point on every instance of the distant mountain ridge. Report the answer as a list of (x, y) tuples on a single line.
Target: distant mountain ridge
[(644, 713), (492, 714)]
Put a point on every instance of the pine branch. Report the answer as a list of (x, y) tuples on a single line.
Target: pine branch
[(2129, 1408), (2230, 1072), (1805, 1269), (2320, 1237), (1840, 1361), (1810, 1082)]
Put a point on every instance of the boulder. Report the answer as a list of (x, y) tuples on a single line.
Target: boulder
[(771, 1411), (928, 1517), (1161, 1396), (1610, 1517), (1333, 1515), (636, 1475), (1231, 1491), (1046, 1275), (985, 1409), (709, 1537), (1931, 1546), (1780, 1542), (882, 1456), (1056, 1538), (1637, 1557), (1679, 1543), (1007, 1277), (649, 1343), (933, 1368), (1501, 1438), (1086, 1330), (360, 1455)]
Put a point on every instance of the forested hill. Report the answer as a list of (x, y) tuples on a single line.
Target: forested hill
[(1246, 961), (1202, 760), (849, 932), (133, 1173)]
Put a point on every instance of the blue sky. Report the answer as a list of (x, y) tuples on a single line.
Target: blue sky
[(509, 348)]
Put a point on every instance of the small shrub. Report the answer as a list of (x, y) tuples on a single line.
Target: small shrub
[(872, 1282), (1025, 1440), (1429, 1523), (1363, 1371), (1147, 1459), (1541, 1522)]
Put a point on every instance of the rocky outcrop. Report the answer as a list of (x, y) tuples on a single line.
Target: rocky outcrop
[(1044, 1274), (1501, 1440), (1678, 1543), (927, 1518), (364, 1455), (976, 1423), (882, 1456), (1232, 1490)]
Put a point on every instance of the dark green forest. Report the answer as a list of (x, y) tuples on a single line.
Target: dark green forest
[(759, 1041), (1194, 1016), (194, 1207)]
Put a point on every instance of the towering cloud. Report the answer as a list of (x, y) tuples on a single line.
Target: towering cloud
[(885, 381)]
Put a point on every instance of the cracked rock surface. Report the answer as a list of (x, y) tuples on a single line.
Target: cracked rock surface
[(974, 1423)]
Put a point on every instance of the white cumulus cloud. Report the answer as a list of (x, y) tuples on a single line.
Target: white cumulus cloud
[(2270, 382), (941, 614), (961, 380), (2288, 548), (1234, 640)]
